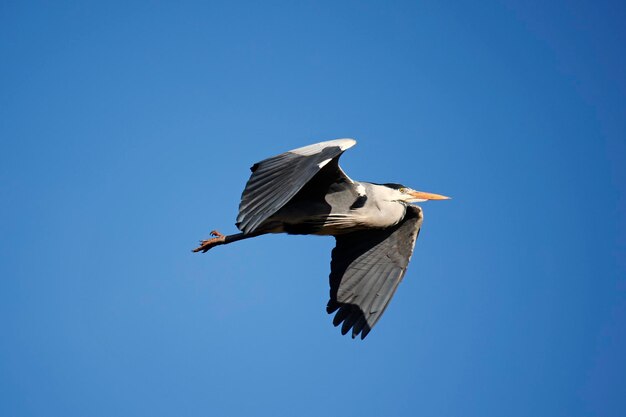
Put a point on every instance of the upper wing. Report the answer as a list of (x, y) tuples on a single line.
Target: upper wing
[(366, 268), (274, 181)]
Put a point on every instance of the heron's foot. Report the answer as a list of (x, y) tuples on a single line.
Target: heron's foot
[(205, 245)]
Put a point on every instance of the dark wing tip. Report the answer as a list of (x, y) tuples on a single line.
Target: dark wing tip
[(332, 306), (351, 317), (366, 330)]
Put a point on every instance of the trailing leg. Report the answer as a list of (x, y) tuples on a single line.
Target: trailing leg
[(220, 239)]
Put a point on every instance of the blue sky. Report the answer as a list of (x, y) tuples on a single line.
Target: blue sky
[(127, 130)]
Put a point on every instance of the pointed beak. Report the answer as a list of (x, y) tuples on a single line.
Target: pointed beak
[(428, 196)]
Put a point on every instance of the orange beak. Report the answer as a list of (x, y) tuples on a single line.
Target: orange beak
[(428, 196)]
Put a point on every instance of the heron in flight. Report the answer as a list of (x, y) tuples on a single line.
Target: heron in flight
[(305, 192)]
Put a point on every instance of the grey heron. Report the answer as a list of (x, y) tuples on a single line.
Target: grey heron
[(305, 191)]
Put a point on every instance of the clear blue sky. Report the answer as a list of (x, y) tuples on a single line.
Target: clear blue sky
[(127, 130)]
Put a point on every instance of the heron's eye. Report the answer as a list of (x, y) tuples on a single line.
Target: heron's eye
[(402, 190)]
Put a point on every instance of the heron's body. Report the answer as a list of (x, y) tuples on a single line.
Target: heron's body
[(327, 216), (304, 191)]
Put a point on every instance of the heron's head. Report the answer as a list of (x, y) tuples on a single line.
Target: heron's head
[(409, 195)]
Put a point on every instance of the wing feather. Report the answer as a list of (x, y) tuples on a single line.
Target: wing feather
[(366, 268), (274, 181)]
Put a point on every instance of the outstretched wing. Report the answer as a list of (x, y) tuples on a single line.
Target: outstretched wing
[(274, 181), (366, 268)]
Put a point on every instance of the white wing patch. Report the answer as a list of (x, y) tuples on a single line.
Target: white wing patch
[(346, 144), (323, 163), (360, 189), (343, 144)]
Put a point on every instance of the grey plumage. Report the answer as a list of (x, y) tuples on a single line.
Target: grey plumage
[(304, 191), (366, 268), (274, 181)]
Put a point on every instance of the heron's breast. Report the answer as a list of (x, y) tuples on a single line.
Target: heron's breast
[(382, 214)]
